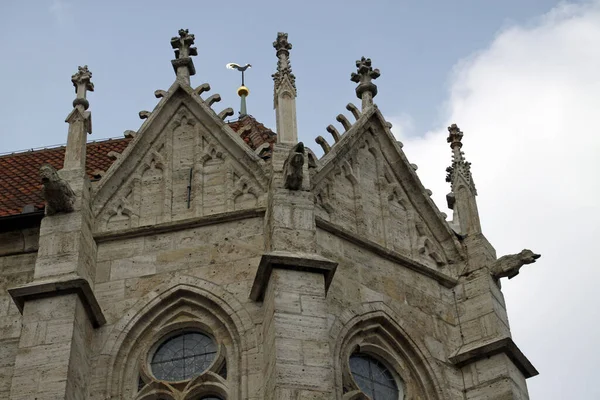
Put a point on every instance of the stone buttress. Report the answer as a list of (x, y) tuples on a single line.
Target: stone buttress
[(292, 279), (59, 307), (491, 363)]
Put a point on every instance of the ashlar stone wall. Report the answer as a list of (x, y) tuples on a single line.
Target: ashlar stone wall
[(18, 252)]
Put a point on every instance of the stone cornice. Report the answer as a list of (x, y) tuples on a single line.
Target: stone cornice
[(288, 260), (383, 252), (79, 286), (473, 352), (180, 225)]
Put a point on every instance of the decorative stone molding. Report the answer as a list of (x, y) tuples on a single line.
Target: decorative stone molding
[(180, 225), (179, 303), (373, 329), (388, 254)]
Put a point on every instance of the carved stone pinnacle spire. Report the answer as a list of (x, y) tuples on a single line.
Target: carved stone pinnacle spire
[(284, 68), (82, 82), (284, 93), (459, 165), (364, 76), (461, 199), (183, 64), (79, 120)]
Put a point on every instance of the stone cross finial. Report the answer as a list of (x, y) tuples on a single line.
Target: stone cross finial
[(183, 64), (284, 68), (79, 120), (82, 82), (364, 76)]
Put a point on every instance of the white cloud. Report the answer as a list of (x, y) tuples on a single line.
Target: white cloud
[(529, 107), (61, 11)]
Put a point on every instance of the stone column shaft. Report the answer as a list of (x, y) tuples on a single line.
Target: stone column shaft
[(59, 307)]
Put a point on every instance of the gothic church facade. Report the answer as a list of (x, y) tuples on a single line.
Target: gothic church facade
[(197, 259)]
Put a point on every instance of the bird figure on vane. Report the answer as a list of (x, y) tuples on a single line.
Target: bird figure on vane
[(238, 66)]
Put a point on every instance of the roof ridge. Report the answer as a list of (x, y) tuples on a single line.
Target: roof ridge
[(55, 146)]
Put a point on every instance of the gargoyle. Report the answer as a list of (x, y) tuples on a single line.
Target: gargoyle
[(509, 265), (56, 191), (292, 169)]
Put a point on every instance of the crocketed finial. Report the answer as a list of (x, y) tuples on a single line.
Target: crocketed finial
[(82, 82), (364, 76), (459, 165), (284, 68), (183, 64), (284, 92), (461, 199)]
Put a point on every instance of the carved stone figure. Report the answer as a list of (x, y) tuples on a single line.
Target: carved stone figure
[(293, 168), (509, 265), (56, 191)]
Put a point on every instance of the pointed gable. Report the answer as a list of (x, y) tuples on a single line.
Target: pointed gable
[(365, 185), (183, 162)]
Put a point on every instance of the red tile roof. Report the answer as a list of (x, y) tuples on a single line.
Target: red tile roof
[(19, 172), (254, 133)]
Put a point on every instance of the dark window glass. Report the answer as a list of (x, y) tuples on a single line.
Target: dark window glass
[(183, 357), (374, 378), (141, 384), (223, 371)]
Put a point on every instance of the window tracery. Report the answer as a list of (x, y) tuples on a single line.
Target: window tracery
[(185, 363), (183, 356), (374, 378)]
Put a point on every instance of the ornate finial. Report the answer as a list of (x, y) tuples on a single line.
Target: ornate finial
[(459, 164), (82, 82), (284, 68), (183, 64), (364, 76), (242, 91), (454, 136)]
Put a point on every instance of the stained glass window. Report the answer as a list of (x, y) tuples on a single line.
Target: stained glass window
[(374, 378), (183, 357)]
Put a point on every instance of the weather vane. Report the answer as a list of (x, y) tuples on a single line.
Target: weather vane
[(242, 91)]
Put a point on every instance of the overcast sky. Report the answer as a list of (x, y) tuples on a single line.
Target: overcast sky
[(520, 77)]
